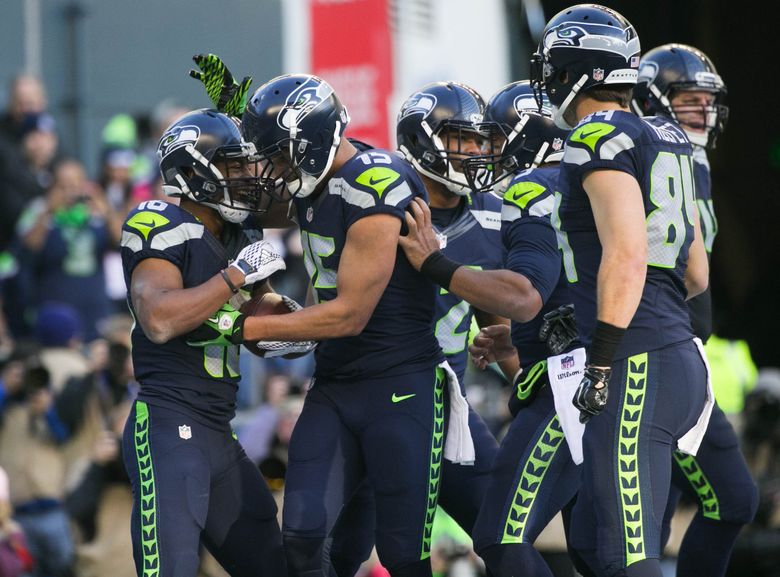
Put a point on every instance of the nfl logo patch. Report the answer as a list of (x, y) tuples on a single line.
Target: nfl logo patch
[(185, 432), (566, 362), (309, 214), (635, 62), (557, 143), (598, 74)]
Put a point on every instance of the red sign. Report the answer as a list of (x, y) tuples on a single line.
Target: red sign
[(351, 49)]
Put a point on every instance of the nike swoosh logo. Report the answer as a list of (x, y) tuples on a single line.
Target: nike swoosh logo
[(584, 135), (147, 224), (372, 182), (398, 398)]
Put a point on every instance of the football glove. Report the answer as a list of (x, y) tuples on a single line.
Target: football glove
[(591, 395), (258, 261), (226, 94), (239, 299), (223, 329), (282, 348), (559, 328)]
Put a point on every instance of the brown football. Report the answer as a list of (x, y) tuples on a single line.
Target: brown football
[(265, 304), (259, 305)]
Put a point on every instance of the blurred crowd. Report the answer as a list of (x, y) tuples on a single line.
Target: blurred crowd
[(66, 375)]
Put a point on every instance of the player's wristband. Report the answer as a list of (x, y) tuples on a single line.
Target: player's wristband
[(606, 339), (439, 269), (229, 282)]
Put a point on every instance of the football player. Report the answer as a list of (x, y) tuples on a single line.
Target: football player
[(192, 482), (633, 253), (533, 475), (438, 130), (377, 408), (680, 82)]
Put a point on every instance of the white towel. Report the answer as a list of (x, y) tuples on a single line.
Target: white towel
[(565, 374), (459, 446), (690, 441)]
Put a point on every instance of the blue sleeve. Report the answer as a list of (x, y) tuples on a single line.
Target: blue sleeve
[(602, 144), (379, 187), (532, 251), (59, 430), (157, 233)]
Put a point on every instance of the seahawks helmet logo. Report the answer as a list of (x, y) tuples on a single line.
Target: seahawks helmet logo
[(302, 101), (648, 70), (594, 37), (524, 103), (177, 137), (419, 103)]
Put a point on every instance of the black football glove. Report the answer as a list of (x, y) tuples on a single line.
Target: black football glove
[(559, 328), (224, 328), (591, 395), (226, 94)]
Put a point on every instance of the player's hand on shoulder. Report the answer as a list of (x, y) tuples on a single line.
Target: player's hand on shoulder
[(421, 241), (258, 261)]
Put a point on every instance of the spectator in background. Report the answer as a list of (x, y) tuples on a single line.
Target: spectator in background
[(26, 95), (64, 238), (26, 169), (58, 330), (117, 183), (30, 451), (15, 558), (258, 433), (757, 550), (102, 496), (116, 178)]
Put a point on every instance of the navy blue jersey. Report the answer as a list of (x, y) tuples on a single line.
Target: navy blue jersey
[(657, 153), (700, 306), (532, 250), (201, 381), (398, 338), (472, 239), (701, 177)]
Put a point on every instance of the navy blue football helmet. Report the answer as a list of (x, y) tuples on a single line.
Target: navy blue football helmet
[(672, 68), (523, 135), (430, 121), (583, 46), (296, 122), (188, 153)]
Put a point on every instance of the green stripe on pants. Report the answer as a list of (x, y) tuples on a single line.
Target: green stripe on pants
[(148, 512), (710, 506), (628, 461), (434, 475), (531, 480)]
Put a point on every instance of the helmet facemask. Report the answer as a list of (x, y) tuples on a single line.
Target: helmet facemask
[(448, 160), (703, 123), (227, 183), (682, 73)]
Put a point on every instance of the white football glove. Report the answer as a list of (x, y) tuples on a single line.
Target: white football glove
[(258, 261), (281, 348)]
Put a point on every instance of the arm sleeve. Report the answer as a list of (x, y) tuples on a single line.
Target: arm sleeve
[(532, 251)]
